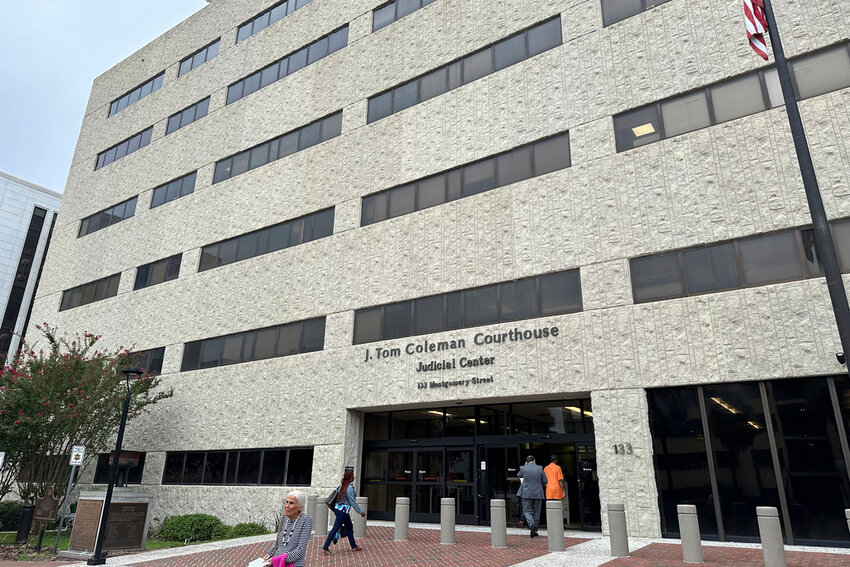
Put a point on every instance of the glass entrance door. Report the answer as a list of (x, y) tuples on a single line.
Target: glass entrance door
[(590, 514), (498, 467)]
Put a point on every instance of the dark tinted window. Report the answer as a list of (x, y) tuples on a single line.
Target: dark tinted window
[(257, 344), (107, 217), (198, 58), (550, 294), (124, 148), (136, 94), (513, 49), (300, 139), (508, 167), (90, 292), (268, 17)]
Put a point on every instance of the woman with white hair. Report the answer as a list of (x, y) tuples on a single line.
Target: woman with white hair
[(290, 547)]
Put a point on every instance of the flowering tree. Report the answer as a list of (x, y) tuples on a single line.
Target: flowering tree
[(72, 394)]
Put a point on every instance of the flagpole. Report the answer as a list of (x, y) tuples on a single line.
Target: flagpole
[(823, 238)]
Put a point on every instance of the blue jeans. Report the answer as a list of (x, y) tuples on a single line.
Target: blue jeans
[(342, 519)]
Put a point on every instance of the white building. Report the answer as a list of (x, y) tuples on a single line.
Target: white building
[(27, 213), (428, 238)]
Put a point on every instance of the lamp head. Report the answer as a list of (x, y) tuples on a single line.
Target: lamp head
[(132, 372), (839, 356)]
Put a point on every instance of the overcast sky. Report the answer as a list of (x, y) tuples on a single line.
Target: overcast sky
[(50, 52)]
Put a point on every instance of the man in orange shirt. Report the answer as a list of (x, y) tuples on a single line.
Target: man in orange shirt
[(555, 488)]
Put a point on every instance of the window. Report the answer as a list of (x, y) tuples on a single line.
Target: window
[(389, 13), (265, 467), (133, 474), (90, 292), (822, 72), (136, 94), (524, 162), (174, 189), (615, 10), (481, 63), (256, 345), (773, 258), (755, 92), (280, 147), (270, 239), (198, 58), (157, 272), (107, 217), (150, 360), (268, 17), (284, 67), (124, 148), (540, 296), (187, 115)]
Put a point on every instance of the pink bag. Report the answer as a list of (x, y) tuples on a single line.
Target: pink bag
[(280, 561)]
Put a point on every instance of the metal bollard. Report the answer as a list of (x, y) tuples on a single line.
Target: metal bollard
[(360, 522), (311, 506), (498, 523), (617, 530), (555, 524), (447, 521), (689, 530), (402, 519), (320, 520), (770, 532)]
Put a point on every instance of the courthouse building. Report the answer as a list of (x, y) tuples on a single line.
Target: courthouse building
[(427, 238)]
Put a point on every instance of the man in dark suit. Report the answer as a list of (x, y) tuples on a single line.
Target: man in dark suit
[(532, 493)]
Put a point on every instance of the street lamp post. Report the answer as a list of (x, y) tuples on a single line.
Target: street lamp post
[(99, 558)]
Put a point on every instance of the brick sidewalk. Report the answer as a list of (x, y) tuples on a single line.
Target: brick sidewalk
[(379, 549), (670, 555)]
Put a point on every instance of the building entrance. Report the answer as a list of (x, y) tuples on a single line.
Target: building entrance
[(481, 465)]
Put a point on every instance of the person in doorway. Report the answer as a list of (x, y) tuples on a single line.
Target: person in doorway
[(531, 492), (290, 547), (346, 500), (555, 486)]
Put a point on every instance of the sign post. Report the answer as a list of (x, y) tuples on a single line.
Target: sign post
[(78, 453)]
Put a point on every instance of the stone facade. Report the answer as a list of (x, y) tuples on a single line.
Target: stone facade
[(689, 190)]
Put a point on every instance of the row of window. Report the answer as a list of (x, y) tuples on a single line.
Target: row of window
[(271, 342), (136, 94), (481, 63), (280, 147), (90, 292), (615, 10), (174, 189), (395, 10), (812, 75), (268, 17), (107, 217), (539, 296), (289, 64), (188, 115), (269, 239), (521, 163), (198, 58), (278, 466), (158, 272), (783, 256), (124, 148)]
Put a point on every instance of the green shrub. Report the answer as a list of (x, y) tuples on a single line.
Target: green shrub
[(190, 527), (10, 513), (221, 531), (248, 529)]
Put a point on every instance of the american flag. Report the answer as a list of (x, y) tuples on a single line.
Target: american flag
[(756, 26)]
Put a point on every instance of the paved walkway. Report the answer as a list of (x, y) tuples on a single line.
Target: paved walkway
[(472, 550)]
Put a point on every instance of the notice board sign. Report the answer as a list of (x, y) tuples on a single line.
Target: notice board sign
[(125, 528), (85, 525)]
